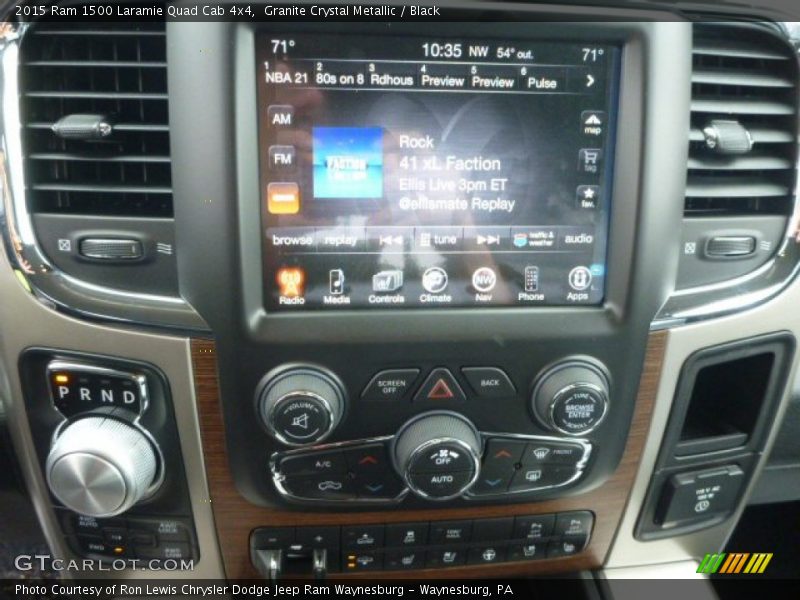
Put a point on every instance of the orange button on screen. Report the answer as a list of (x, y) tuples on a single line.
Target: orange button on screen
[(283, 198)]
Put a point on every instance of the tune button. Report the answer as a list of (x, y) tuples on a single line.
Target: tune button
[(578, 409)]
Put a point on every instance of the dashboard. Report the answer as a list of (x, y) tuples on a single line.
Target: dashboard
[(479, 297)]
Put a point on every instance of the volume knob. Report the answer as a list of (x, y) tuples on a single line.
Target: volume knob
[(301, 405), (100, 466)]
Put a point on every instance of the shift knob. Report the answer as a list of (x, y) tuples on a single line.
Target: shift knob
[(100, 466)]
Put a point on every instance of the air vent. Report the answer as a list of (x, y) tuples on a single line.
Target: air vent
[(744, 90), (117, 76)]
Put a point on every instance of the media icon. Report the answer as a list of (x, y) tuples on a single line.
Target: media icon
[(336, 282), (434, 280), (291, 281), (531, 279), (387, 281), (580, 278), (484, 279)]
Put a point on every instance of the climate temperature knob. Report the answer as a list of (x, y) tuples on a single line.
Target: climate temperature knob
[(100, 466), (438, 454), (301, 405), (571, 397)]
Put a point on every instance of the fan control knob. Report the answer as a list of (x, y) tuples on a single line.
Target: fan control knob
[(438, 454)]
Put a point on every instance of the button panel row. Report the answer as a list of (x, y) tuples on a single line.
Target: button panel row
[(435, 544), (440, 385), (143, 538), (363, 472)]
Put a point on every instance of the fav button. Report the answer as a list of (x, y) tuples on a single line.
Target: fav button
[(489, 382), (390, 385)]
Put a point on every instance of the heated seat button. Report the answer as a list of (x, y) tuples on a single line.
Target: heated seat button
[(440, 387), (390, 385), (446, 557), (404, 559), (527, 551), (564, 547), (327, 463), (489, 382)]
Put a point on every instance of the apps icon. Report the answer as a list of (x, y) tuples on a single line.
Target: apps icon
[(387, 281), (283, 198), (580, 278), (434, 280), (291, 281), (336, 277), (484, 279)]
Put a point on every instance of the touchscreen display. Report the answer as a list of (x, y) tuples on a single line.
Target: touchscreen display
[(408, 172)]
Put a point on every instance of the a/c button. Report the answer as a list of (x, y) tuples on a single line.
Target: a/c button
[(489, 382), (390, 385)]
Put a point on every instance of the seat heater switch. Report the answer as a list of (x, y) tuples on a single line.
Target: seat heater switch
[(699, 495)]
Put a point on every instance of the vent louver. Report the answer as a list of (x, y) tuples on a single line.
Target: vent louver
[(118, 72), (745, 75)]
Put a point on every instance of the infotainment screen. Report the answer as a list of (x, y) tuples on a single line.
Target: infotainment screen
[(408, 172)]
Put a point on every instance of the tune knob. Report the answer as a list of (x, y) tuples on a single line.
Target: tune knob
[(301, 405), (438, 454), (571, 397), (100, 466)]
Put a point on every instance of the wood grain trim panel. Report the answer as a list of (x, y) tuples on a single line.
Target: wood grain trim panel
[(235, 517)]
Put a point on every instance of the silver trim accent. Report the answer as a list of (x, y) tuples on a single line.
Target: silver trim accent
[(49, 285), (139, 379), (747, 291), (278, 477), (476, 467), (580, 466), (566, 389)]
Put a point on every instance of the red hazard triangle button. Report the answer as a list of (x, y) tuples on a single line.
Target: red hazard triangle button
[(440, 386)]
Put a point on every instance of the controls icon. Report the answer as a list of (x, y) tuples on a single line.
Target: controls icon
[(283, 198), (580, 278), (387, 281), (531, 279), (484, 279), (291, 282), (336, 282), (434, 280)]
